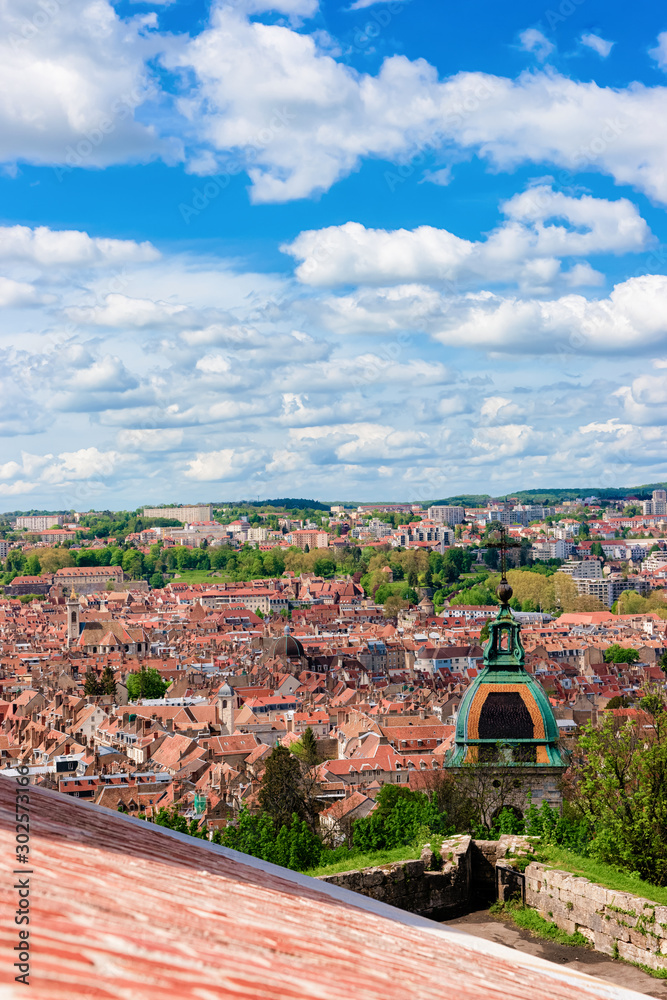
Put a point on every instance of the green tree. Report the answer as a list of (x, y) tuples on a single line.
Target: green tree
[(281, 793), (15, 561), (157, 581), (133, 564), (401, 817), (32, 566), (308, 753), (618, 701), (620, 654), (146, 684), (292, 846), (91, 685), (108, 683), (393, 605), (620, 789)]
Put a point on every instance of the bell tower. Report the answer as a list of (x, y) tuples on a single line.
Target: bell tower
[(227, 706), (505, 722), (73, 613)]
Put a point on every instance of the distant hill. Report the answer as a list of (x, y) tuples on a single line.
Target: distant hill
[(544, 496), (286, 503)]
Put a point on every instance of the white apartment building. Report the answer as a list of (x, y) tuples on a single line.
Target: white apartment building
[(532, 512), (609, 588), (446, 514), (567, 529), (40, 522), (378, 528), (199, 512), (657, 504), (656, 560), (586, 569), (553, 548)]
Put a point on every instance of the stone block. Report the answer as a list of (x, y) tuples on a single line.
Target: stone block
[(661, 915), (621, 900), (604, 942), (640, 940), (413, 869), (579, 886), (563, 922), (619, 931), (631, 953), (372, 877), (427, 858), (595, 921), (555, 879), (596, 893)]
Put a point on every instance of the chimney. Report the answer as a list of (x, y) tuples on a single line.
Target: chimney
[(169, 725)]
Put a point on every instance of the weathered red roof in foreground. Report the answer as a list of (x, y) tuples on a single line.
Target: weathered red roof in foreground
[(123, 909)]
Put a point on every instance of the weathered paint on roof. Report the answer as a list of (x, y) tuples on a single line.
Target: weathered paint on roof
[(120, 909)]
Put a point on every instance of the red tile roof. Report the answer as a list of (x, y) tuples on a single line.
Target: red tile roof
[(121, 908)]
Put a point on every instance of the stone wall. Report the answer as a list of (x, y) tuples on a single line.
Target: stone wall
[(462, 876), (615, 923), (436, 886)]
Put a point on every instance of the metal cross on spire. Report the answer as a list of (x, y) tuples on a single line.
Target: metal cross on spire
[(503, 543)]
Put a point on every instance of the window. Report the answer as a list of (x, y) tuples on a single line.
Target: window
[(73, 618)]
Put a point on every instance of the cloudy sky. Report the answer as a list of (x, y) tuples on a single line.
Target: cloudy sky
[(346, 250)]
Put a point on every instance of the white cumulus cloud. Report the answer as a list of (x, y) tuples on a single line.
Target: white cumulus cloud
[(599, 45)]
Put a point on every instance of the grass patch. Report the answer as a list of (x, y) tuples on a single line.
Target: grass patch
[(530, 920), (656, 973), (604, 874), (199, 576), (356, 859)]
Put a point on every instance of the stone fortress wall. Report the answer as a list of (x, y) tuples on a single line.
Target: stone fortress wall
[(470, 873), (615, 923)]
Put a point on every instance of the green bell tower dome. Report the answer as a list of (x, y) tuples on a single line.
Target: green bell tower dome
[(505, 718)]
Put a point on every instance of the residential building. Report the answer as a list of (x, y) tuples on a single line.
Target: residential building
[(198, 512), (590, 569), (657, 504), (447, 514), (88, 579), (314, 539), (40, 522)]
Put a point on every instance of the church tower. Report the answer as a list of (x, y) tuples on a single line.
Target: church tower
[(505, 722), (228, 704), (73, 613)]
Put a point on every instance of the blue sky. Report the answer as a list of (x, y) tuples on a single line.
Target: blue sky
[(396, 249)]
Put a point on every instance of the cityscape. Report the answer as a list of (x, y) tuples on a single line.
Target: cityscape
[(333, 500)]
